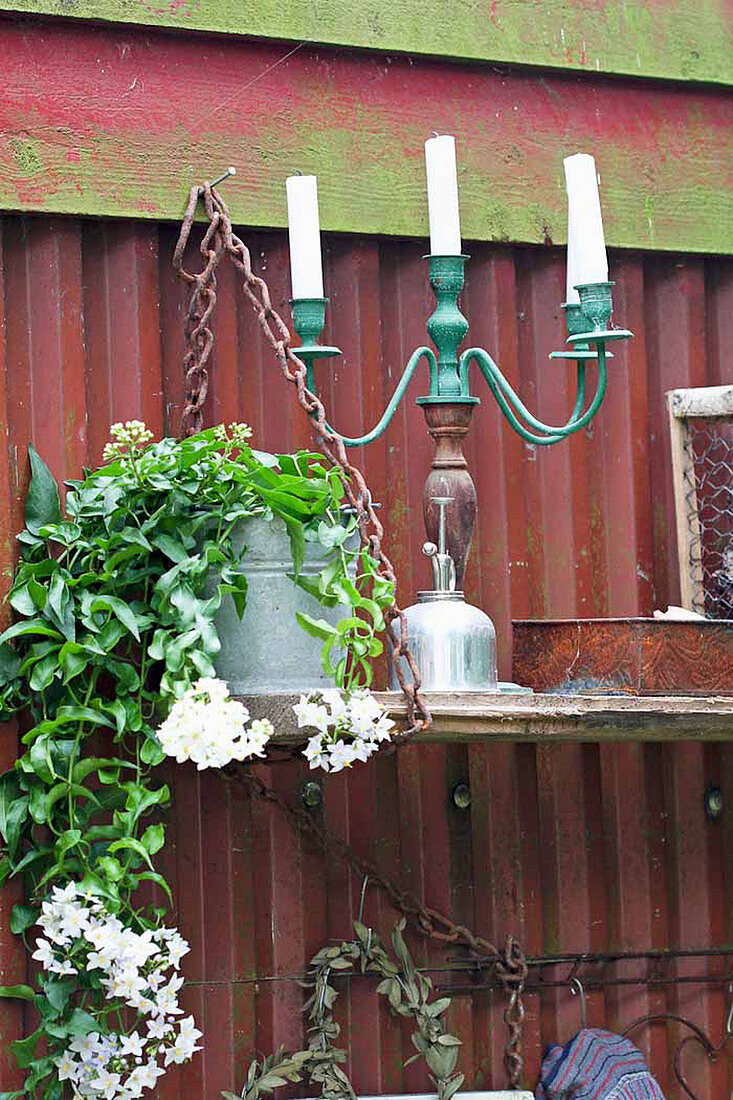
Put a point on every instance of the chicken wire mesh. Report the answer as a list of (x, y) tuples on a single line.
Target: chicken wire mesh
[(709, 506)]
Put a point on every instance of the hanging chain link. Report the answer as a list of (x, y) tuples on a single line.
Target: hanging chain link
[(509, 962)]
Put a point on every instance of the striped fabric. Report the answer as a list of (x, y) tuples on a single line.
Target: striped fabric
[(596, 1065)]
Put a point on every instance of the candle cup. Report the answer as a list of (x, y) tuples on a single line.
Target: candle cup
[(309, 317), (596, 305), (576, 323)]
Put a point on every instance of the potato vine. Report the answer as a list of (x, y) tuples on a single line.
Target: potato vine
[(115, 606), (409, 993)]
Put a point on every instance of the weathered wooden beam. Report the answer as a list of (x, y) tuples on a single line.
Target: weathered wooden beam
[(99, 123), (686, 40), (473, 716)]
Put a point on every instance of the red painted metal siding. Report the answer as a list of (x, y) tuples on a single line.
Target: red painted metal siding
[(571, 847)]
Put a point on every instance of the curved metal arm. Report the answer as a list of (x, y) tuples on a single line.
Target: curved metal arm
[(506, 397), (397, 396)]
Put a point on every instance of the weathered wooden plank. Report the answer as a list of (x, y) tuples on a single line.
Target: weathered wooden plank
[(706, 401), (95, 123), (680, 41), (540, 718)]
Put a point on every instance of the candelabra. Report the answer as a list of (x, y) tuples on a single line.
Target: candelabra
[(449, 405)]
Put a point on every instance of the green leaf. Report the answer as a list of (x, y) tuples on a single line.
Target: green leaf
[(119, 609), (317, 628), (133, 845), (83, 714), (297, 544), (30, 626), (93, 763), (44, 672), (60, 607), (13, 809), (57, 991), (153, 838), (73, 659), (41, 762), (68, 839), (151, 752), (25, 1049), (22, 917), (170, 547), (81, 1023), (42, 505), (17, 992), (34, 856), (158, 880), (110, 868), (9, 665)]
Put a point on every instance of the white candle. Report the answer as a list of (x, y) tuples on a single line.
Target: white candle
[(587, 261), (443, 212), (304, 233)]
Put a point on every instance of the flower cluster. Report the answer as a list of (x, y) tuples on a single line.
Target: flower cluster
[(127, 438), (236, 435), (134, 969), (350, 727), (207, 726)]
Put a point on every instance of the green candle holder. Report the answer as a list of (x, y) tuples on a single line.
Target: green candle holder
[(596, 305), (576, 323), (449, 371), (447, 328), (309, 317)]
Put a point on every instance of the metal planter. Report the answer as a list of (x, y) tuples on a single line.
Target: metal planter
[(267, 652)]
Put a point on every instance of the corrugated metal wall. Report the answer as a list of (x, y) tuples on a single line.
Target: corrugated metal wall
[(571, 847)]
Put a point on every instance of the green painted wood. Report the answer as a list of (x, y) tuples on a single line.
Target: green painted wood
[(684, 40), (95, 123)]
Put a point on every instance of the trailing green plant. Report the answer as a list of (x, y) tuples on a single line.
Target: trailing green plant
[(410, 995), (115, 605)]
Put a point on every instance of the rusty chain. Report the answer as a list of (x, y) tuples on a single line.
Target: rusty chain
[(219, 238), (509, 962)]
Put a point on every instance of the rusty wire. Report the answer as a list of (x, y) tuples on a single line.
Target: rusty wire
[(509, 962)]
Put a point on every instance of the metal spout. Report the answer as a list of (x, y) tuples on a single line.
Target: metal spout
[(444, 568)]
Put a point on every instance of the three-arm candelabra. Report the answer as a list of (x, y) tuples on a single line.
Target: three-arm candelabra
[(449, 405)]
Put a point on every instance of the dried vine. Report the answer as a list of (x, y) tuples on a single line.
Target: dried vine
[(409, 993)]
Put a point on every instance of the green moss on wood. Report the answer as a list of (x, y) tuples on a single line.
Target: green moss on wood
[(684, 40), (100, 126)]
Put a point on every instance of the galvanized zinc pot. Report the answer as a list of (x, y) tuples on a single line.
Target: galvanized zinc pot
[(267, 652)]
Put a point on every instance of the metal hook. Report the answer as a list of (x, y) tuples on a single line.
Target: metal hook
[(576, 987), (224, 176), (729, 1018)]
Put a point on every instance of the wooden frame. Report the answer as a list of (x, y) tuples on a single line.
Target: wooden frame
[(710, 402)]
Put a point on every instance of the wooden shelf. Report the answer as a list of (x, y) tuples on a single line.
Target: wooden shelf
[(541, 718)]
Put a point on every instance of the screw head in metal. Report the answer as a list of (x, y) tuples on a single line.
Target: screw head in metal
[(311, 795), (714, 803), (461, 795)]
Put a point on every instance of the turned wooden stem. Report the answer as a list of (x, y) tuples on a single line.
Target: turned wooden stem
[(448, 424)]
